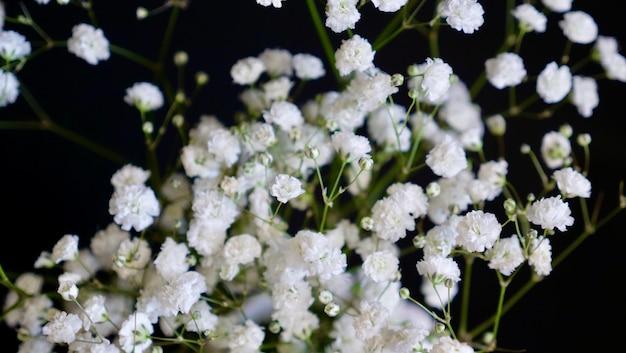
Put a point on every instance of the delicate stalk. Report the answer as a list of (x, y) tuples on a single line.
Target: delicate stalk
[(329, 51)]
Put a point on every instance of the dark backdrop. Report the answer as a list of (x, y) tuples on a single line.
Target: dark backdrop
[(52, 187)]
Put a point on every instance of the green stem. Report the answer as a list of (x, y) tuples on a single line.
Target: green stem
[(329, 50)]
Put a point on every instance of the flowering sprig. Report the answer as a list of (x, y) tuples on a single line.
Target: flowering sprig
[(284, 228)]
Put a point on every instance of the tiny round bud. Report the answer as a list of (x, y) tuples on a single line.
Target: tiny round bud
[(142, 13), (488, 337), (433, 189), (178, 120), (367, 223), (622, 201), (413, 70), (180, 97), (510, 207), (366, 163), (419, 241), (525, 149), (266, 159), (331, 125), (405, 293), (202, 78), (332, 309), (181, 58), (496, 125), (440, 328), (531, 197), (156, 349), (325, 296), (397, 80), (566, 130), (274, 327), (532, 234), (414, 93), (311, 152), (583, 140), (147, 127), (454, 78), (448, 283)]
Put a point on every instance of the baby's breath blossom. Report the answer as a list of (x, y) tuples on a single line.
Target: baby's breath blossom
[(350, 146), (463, 15), (447, 158), (354, 54), (540, 258), (135, 333), (307, 66), (555, 149), (530, 19), (247, 71), (550, 213), (554, 82), (9, 88), (381, 266), (572, 183), (438, 295), (371, 89), (172, 259), (579, 27), (505, 70), (62, 328), (558, 5), (448, 344), (506, 255), (286, 187), (241, 249), (134, 206), (246, 338), (88, 43), (276, 3), (342, 14), (66, 249), (389, 5), (277, 61), (129, 174), (435, 80), (371, 319), (13, 46), (144, 96), (478, 231), (585, 95), (284, 115), (437, 269)]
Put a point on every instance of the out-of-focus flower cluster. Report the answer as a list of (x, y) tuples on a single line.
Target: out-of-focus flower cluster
[(284, 229)]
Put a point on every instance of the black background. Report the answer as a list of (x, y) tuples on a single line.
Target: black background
[(52, 187)]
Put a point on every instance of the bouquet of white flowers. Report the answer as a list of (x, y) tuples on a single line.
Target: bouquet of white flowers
[(361, 191)]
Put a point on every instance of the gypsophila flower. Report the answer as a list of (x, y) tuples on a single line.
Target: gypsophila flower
[(381, 266), (435, 81), (554, 82), (88, 43), (247, 71), (389, 5), (350, 146), (13, 46), (555, 149), (506, 255), (505, 70), (579, 27), (530, 19), (463, 15), (307, 66), (172, 259), (62, 328), (550, 213), (134, 333), (572, 183), (540, 258), (447, 158), (585, 95), (134, 206), (68, 290), (447, 345), (144, 96), (128, 175), (558, 5), (246, 338), (241, 249), (354, 54), (478, 231), (285, 115), (9, 88), (438, 269), (341, 15), (66, 249), (286, 187), (276, 3), (371, 319)]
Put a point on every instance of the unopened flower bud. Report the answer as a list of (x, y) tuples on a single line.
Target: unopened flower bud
[(414, 93), (142, 13), (156, 349), (583, 140), (397, 80), (488, 337), (202, 78), (274, 327), (525, 149), (178, 120), (419, 241), (181, 58), (332, 309), (566, 130), (147, 127), (311, 152), (325, 296), (440, 328), (266, 159), (454, 79), (433, 189), (367, 223), (68, 290), (413, 70), (366, 163), (531, 197), (510, 207), (496, 125), (180, 97), (405, 293), (532, 234)]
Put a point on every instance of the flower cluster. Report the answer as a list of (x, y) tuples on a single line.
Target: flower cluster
[(284, 229)]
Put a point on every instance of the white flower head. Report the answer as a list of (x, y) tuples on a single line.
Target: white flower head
[(554, 82), (478, 230), (350, 145), (277, 61), (128, 175), (579, 27), (585, 95), (241, 249), (275, 3), (558, 5), (530, 19), (286, 187), (247, 71), (341, 15), (438, 269), (285, 115), (381, 266), (13, 45), (88, 43), (144, 96), (447, 344), (307, 66), (62, 328), (134, 334), (435, 82), (463, 15), (572, 183), (9, 88), (134, 206), (555, 149), (389, 5), (66, 249), (550, 213), (447, 158), (354, 54), (505, 70), (540, 258), (506, 255)]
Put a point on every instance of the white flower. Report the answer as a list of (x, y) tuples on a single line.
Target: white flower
[(95, 311), (478, 231), (241, 249), (391, 220), (224, 145), (134, 206), (131, 257), (463, 15), (541, 256), (438, 269), (411, 196), (62, 328), (246, 338), (66, 249), (381, 266), (13, 46), (172, 259), (579, 27), (350, 146), (9, 88), (554, 82), (134, 334), (308, 67), (285, 115), (505, 70), (312, 253), (435, 81), (286, 187), (447, 158), (277, 62), (354, 54), (128, 175), (341, 15), (530, 19), (389, 5), (572, 183), (144, 96), (555, 149), (276, 3), (506, 255), (371, 319), (371, 90), (68, 290), (558, 5), (447, 344), (181, 292), (88, 43), (550, 213), (585, 95), (247, 71), (438, 295)]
